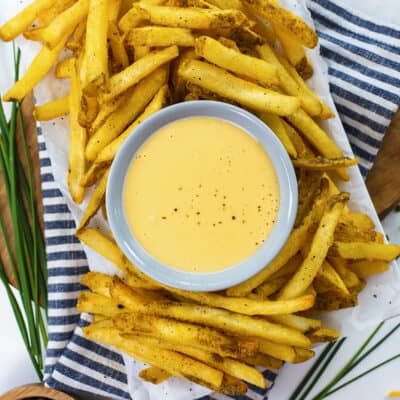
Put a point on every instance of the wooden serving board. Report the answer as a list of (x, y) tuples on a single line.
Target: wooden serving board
[(383, 181)]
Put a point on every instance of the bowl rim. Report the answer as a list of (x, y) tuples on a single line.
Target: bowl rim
[(235, 274)]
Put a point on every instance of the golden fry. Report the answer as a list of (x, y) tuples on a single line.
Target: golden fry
[(134, 17), (38, 69), (77, 142), (194, 18), (298, 322), (19, 23), (366, 268), (138, 70), (117, 46), (98, 283), (359, 250), (232, 60), (328, 278), (53, 109), (45, 16), (324, 335), (65, 68), (89, 302), (160, 36), (322, 240), (324, 164), (265, 361), (227, 85), (118, 120), (154, 375), (62, 25), (95, 201)]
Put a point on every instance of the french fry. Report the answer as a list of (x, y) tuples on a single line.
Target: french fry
[(294, 243), (317, 137), (93, 174), (298, 322), (231, 366), (62, 25), (272, 11), (45, 16), (362, 221), (65, 68), (160, 36), (95, 201), (329, 278), (321, 242), (134, 17), (301, 148), (359, 250), (227, 85), (154, 375), (53, 109), (77, 142), (214, 317), (20, 22), (324, 164), (364, 268), (88, 110), (248, 306), (77, 38), (98, 283), (294, 52), (194, 18), (270, 286), (157, 103), (254, 68), (113, 10), (349, 277), (118, 120), (277, 350), (348, 232), (96, 303), (330, 301), (140, 51), (265, 361), (302, 355), (117, 46), (38, 69), (290, 267), (324, 335), (138, 70), (276, 124), (96, 49), (185, 333), (174, 363)]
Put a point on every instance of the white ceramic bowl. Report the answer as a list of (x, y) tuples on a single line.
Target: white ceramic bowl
[(237, 273)]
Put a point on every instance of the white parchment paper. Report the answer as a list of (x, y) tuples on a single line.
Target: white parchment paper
[(377, 301)]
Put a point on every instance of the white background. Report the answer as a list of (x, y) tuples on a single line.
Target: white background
[(15, 367)]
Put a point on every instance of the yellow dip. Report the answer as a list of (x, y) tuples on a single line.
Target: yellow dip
[(201, 195)]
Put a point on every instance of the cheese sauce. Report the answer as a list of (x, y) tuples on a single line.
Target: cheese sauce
[(201, 195)]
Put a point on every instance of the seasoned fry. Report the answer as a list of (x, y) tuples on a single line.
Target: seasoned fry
[(156, 104), (265, 361), (272, 11), (38, 69), (64, 69), (62, 25), (19, 23), (324, 335), (317, 137), (77, 142), (294, 243), (134, 17), (185, 333), (366, 268), (160, 36), (77, 37), (294, 52), (271, 286), (98, 283), (279, 351), (324, 164), (229, 365), (276, 124), (232, 60), (194, 18), (349, 277), (95, 201), (96, 49), (93, 174), (227, 85), (117, 121), (327, 277), (359, 250), (322, 240), (154, 375), (174, 363), (89, 110), (139, 70), (96, 303), (298, 322), (117, 46), (53, 109), (214, 317), (302, 355)]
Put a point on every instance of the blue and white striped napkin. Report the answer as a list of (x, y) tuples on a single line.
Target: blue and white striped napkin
[(364, 73)]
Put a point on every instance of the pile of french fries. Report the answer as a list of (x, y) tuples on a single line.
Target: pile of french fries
[(127, 60)]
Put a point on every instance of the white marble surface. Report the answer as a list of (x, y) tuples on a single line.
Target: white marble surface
[(16, 368)]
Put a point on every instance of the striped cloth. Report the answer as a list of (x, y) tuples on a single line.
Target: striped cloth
[(364, 65)]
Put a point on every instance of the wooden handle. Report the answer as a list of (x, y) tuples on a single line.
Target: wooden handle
[(30, 391)]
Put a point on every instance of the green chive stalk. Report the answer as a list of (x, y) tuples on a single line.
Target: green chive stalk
[(25, 248)]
